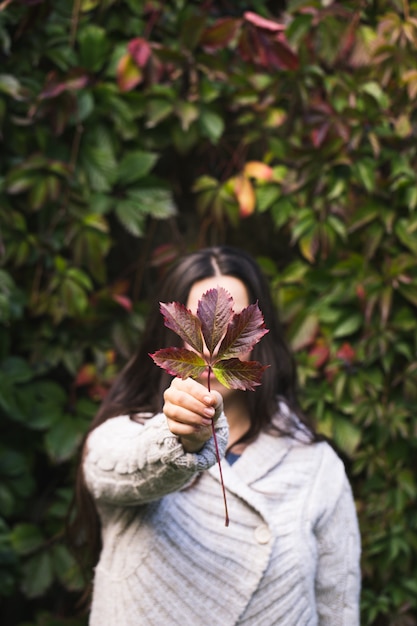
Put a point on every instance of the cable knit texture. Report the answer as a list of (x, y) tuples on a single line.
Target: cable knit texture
[(290, 556)]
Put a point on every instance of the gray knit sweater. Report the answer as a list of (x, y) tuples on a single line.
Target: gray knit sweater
[(290, 556)]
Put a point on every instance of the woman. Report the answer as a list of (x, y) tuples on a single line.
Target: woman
[(290, 555)]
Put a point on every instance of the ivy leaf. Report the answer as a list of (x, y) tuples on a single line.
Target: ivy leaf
[(180, 362)]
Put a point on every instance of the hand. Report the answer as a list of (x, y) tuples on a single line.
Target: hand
[(190, 410)]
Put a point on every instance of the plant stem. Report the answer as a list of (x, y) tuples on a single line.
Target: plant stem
[(213, 430)]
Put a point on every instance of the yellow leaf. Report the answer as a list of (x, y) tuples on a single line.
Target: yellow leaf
[(258, 170), (245, 195)]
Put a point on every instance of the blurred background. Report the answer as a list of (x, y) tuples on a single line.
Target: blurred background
[(134, 131)]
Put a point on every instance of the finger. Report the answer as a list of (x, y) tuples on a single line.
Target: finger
[(186, 430), (197, 390), (188, 412), (204, 405)]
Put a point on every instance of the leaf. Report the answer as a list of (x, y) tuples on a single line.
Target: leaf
[(135, 165), (245, 195), (94, 47), (26, 538), (220, 34), (215, 312), (243, 332), (186, 325), (237, 374), (214, 320), (212, 125), (37, 575), (129, 75), (180, 362)]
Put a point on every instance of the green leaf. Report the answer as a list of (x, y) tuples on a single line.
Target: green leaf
[(212, 125), (346, 435), (365, 171), (131, 216), (65, 568), (16, 370), (266, 196), (303, 331), (135, 165), (10, 86), (93, 47), (63, 438), (157, 110), (37, 575), (26, 538), (349, 326), (158, 203)]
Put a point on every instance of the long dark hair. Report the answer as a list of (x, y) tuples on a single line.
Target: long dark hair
[(139, 387)]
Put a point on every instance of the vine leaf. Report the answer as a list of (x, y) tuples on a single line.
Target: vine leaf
[(217, 326), (225, 334)]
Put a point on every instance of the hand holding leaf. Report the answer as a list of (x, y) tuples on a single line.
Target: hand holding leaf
[(225, 334)]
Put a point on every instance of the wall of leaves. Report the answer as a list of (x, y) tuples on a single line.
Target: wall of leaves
[(132, 131)]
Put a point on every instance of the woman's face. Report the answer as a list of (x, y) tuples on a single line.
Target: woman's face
[(237, 289)]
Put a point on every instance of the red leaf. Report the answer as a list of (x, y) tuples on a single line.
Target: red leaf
[(346, 353), (216, 37), (55, 86), (124, 301), (86, 375), (237, 374), (243, 332), (215, 312), (319, 354), (180, 362), (186, 325), (140, 51), (262, 22)]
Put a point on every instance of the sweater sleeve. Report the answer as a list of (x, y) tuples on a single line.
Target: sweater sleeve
[(338, 546), (128, 463)]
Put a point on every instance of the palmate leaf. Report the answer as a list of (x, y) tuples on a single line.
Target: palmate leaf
[(215, 323), (215, 312), (186, 325), (237, 374), (243, 332), (180, 362)]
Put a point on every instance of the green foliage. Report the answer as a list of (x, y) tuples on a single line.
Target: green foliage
[(132, 131)]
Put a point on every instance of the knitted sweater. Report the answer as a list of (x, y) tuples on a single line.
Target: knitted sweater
[(290, 556)]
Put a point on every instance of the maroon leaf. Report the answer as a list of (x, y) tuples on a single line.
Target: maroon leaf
[(215, 312), (214, 320), (180, 362), (186, 325), (243, 332), (237, 374), (217, 37)]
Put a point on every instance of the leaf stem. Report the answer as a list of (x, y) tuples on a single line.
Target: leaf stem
[(213, 430)]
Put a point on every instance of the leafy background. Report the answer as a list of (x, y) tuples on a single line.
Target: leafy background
[(133, 131)]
